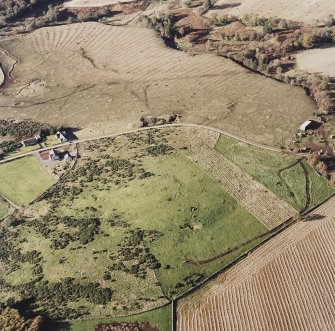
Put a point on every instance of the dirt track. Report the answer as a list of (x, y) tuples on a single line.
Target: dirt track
[(308, 189), (273, 149)]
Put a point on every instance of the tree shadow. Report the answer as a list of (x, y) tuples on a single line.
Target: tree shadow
[(313, 217), (226, 6), (55, 326)]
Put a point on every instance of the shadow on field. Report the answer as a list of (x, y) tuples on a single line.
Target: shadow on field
[(313, 217), (55, 326), (227, 6), (72, 132)]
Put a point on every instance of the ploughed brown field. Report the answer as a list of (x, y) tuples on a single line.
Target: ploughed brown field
[(287, 284), (104, 79)]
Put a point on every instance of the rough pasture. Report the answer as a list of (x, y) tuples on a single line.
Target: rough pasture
[(282, 174), (4, 208), (287, 284), (23, 180), (251, 194), (298, 10), (104, 78), (127, 216), (317, 61), (158, 319)]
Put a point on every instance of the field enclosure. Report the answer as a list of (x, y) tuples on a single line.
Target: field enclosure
[(318, 60), (297, 10), (104, 79), (250, 193), (23, 180), (88, 239), (159, 318), (140, 211), (287, 284), (279, 173)]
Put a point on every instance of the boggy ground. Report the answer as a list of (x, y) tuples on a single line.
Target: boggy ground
[(104, 78)]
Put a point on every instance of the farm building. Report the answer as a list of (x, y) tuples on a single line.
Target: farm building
[(62, 136), (54, 155), (309, 125), (31, 141), (68, 157)]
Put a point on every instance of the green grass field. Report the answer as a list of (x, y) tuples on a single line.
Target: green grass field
[(264, 166), (187, 213), (320, 188), (22, 180), (3, 209), (51, 140), (152, 212), (164, 203), (160, 318), (22, 150)]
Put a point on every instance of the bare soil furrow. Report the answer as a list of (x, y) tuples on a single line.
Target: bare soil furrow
[(292, 287)]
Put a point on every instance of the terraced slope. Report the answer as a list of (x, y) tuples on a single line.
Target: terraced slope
[(255, 197), (300, 10), (105, 78), (287, 284)]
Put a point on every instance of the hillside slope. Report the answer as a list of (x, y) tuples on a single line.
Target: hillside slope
[(105, 78)]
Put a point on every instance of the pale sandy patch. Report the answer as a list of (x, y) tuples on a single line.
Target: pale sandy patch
[(318, 61), (298, 10)]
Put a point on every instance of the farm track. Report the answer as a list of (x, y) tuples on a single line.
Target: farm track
[(225, 133), (256, 198), (308, 189), (286, 284), (284, 181), (12, 204), (265, 236)]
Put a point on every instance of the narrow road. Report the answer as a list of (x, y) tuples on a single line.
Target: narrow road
[(225, 133)]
